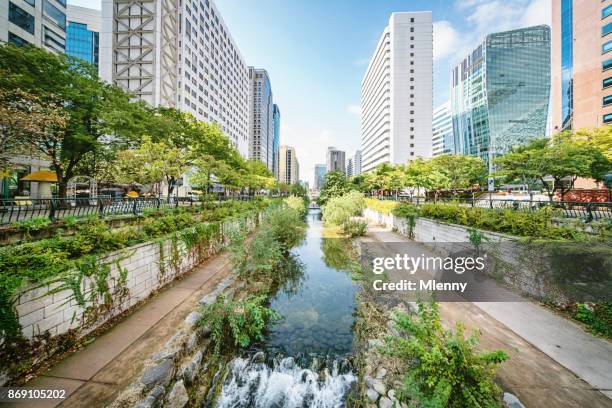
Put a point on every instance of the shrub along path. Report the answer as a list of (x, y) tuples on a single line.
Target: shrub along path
[(550, 357), (94, 375)]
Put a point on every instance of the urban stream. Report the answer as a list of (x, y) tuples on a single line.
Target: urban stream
[(305, 358)]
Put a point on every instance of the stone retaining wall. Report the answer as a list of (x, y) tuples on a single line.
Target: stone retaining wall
[(525, 275), (147, 267)]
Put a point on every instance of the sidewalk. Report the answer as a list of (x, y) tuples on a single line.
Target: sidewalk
[(553, 362), (94, 375)]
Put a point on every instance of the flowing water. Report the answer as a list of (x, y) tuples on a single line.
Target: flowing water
[(305, 359)]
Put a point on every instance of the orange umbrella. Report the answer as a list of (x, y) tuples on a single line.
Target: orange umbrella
[(41, 176)]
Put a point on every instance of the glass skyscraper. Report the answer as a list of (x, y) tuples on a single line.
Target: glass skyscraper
[(500, 93), (82, 34), (276, 117)]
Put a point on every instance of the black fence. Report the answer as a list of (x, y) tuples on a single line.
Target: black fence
[(588, 211), (23, 209)]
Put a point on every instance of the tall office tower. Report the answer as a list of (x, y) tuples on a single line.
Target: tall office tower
[(41, 23), (335, 160), (349, 167), (177, 54), (261, 117), (288, 168), (276, 118), (442, 128), (500, 92), (82, 33), (581, 64), (319, 179), (397, 93)]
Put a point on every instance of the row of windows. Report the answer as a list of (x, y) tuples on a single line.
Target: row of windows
[(607, 64)]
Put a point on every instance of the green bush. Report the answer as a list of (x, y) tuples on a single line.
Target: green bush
[(598, 317), (339, 210), (297, 204), (381, 206), (236, 324), (287, 226), (33, 224), (535, 224), (444, 369), (354, 228)]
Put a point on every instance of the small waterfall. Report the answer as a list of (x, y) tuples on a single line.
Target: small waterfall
[(283, 383)]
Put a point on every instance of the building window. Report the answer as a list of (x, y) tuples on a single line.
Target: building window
[(16, 40), (606, 11), (607, 29), (21, 18), (607, 47), (607, 118), (606, 65), (54, 14), (607, 100), (607, 82), (31, 2)]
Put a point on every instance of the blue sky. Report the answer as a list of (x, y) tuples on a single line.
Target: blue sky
[(316, 52)]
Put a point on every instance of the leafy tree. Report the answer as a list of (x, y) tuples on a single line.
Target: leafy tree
[(459, 171), (92, 108), (562, 158), (298, 190), (600, 138), (151, 163), (335, 185)]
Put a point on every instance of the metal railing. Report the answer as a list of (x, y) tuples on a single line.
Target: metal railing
[(23, 209), (587, 211)]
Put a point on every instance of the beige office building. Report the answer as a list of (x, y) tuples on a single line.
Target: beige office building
[(288, 166), (581, 64)]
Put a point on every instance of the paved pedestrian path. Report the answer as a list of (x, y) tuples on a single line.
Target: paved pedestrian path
[(94, 375), (553, 362)]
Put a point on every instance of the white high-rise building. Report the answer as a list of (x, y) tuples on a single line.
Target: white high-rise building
[(353, 165), (178, 54), (288, 165), (397, 93), (40, 23), (442, 128)]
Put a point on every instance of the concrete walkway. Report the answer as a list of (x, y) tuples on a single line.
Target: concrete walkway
[(553, 362), (94, 375)]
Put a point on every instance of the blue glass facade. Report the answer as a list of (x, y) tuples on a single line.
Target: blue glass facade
[(500, 93), (276, 140), (567, 64), (82, 42)]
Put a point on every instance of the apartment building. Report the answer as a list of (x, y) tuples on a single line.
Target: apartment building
[(83, 33), (288, 168), (353, 165), (41, 23), (335, 160), (581, 86), (397, 93), (442, 129), (178, 54), (500, 93), (261, 117)]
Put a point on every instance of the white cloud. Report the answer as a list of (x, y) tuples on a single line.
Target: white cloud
[(445, 39), (354, 109)]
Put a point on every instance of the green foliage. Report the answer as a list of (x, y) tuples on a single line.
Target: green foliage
[(335, 185), (33, 224), (354, 228), (340, 209), (297, 204), (598, 317), (287, 227), (444, 368), (236, 324), (533, 224), (381, 206)]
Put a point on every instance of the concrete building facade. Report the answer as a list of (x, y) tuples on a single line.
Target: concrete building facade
[(289, 168), (177, 54), (83, 33), (442, 129), (41, 23), (335, 160), (353, 165), (397, 93), (581, 86)]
